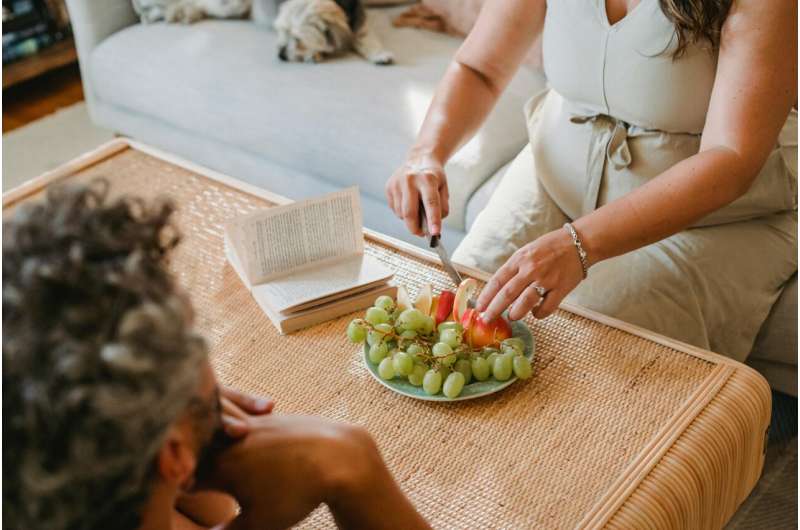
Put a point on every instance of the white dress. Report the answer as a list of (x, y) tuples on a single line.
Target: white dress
[(620, 111)]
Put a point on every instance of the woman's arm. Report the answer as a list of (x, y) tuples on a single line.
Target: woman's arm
[(481, 70), (754, 89)]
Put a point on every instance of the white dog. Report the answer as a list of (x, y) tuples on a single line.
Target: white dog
[(311, 30), (188, 11)]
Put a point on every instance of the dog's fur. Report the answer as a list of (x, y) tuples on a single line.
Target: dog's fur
[(311, 30), (188, 11)]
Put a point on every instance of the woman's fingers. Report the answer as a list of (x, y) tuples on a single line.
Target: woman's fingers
[(411, 206), (505, 296), (429, 190), (550, 304), (502, 276), (524, 303)]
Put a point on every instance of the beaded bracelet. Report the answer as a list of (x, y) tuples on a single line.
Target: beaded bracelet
[(577, 242)]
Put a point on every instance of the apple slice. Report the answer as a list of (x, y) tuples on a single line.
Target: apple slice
[(424, 299), (445, 307), (403, 300), (466, 290)]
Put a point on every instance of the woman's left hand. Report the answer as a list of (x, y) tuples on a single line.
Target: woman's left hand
[(550, 262)]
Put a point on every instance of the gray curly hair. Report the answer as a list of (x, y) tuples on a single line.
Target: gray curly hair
[(99, 358)]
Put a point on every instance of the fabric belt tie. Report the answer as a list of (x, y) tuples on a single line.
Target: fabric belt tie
[(609, 142)]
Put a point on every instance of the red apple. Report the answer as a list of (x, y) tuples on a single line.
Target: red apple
[(444, 306), (479, 333)]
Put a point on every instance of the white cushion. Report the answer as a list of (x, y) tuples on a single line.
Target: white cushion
[(345, 121)]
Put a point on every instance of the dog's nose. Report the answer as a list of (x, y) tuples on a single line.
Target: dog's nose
[(282, 54)]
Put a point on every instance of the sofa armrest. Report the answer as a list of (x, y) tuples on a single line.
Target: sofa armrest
[(92, 22)]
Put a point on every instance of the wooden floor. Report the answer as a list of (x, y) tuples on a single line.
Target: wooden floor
[(41, 96)]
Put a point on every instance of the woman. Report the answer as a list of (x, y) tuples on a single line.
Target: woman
[(663, 158)]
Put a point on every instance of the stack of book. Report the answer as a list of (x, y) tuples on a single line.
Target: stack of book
[(304, 263), (31, 25)]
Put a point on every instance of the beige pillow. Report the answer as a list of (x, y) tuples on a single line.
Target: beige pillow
[(461, 16)]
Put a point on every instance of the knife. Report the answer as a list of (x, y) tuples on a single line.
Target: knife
[(435, 242)]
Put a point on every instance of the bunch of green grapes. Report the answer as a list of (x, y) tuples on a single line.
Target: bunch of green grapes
[(407, 343)]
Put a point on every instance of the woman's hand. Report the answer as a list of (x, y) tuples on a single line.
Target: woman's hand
[(238, 408), (421, 178), (551, 262)]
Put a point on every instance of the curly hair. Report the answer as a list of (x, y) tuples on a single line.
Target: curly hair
[(696, 21), (99, 358)]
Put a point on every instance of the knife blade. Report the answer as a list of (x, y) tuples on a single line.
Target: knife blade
[(435, 242)]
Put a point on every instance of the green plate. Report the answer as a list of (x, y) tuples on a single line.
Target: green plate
[(473, 390)]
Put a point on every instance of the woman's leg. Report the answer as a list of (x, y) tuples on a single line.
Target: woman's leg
[(518, 212), (712, 287)]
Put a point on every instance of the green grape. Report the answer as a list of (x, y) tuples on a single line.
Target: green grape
[(385, 302), (374, 337), (386, 369), (444, 353), (417, 374), (490, 360), (480, 368), (356, 332), (502, 367), (440, 349), (377, 352), (385, 328), (408, 334), (465, 368), (449, 324), (429, 325), (515, 343), (403, 365), (376, 315), (415, 351), (453, 385), (396, 314), (522, 367), (450, 337), (432, 382), (412, 319)]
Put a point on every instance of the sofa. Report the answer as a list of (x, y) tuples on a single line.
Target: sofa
[(216, 93)]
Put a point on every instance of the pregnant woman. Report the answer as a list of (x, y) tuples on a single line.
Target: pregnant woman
[(659, 185)]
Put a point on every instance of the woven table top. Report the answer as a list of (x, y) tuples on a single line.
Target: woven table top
[(572, 446)]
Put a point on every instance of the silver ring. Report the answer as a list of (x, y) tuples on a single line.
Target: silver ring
[(542, 292)]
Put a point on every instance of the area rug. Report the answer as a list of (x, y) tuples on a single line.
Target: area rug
[(49, 142)]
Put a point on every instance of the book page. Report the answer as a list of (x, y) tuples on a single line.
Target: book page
[(299, 236), (292, 291)]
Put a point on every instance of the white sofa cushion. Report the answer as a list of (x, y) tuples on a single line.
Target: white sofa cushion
[(345, 121)]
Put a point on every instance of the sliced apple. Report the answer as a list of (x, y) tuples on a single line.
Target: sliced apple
[(466, 290), (403, 300), (444, 307), (424, 299)]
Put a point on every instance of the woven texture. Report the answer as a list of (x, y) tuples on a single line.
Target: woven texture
[(540, 454)]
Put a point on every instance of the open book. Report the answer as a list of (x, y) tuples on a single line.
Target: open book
[(304, 262)]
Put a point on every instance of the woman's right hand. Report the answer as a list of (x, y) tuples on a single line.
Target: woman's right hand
[(420, 180)]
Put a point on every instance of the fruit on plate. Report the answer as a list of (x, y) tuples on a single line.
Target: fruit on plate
[(424, 299), (403, 300), (440, 355), (479, 333), (467, 289), (444, 307)]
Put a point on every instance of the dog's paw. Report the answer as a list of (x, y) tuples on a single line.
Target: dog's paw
[(382, 58)]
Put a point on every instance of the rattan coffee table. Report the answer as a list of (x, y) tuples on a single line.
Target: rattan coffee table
[(618, 427)]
